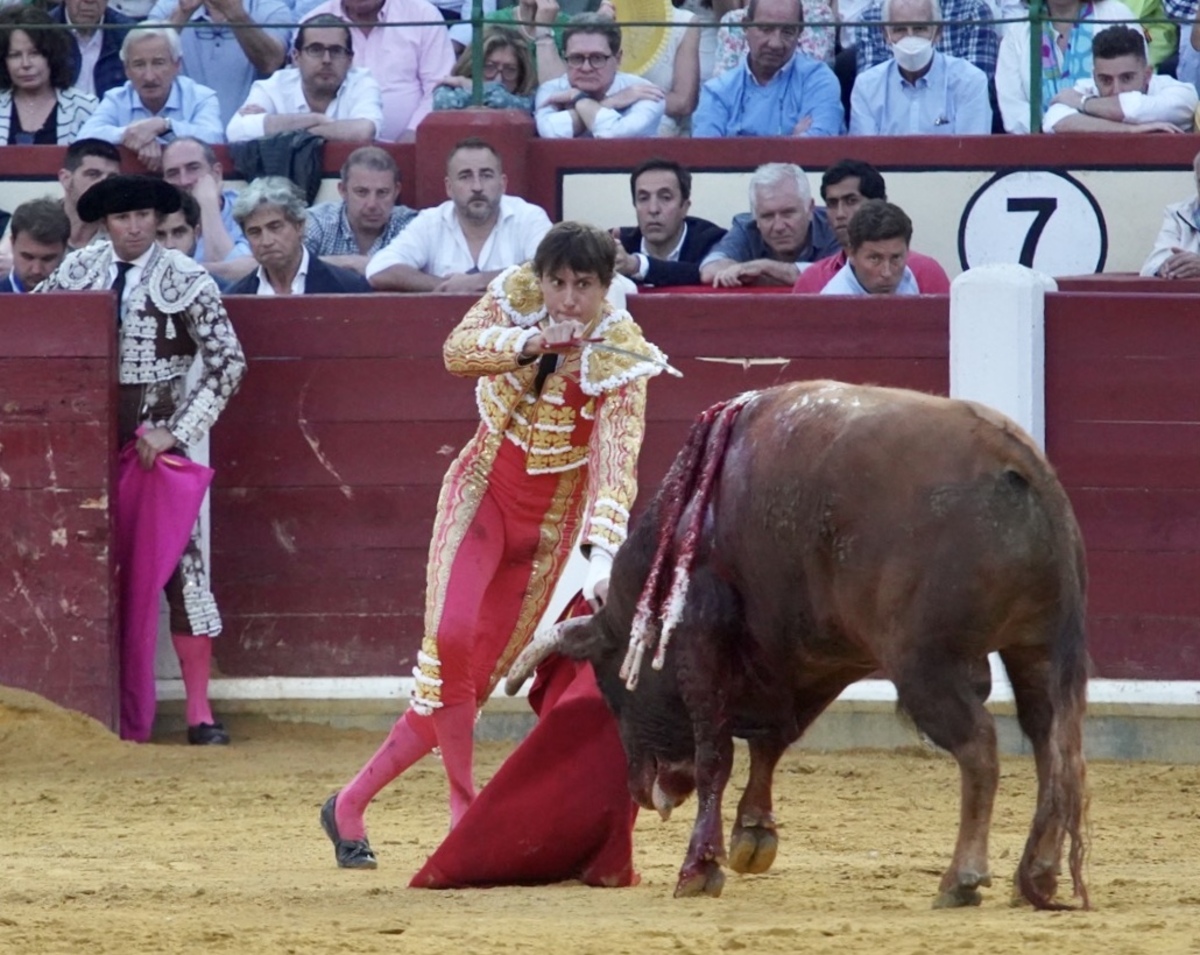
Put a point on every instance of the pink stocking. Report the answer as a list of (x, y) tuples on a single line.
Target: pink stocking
[(411, 737), (455, 724), (195, 658)]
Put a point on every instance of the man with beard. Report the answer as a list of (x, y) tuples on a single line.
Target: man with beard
[(169, 312), (323, 94), (465, 242)]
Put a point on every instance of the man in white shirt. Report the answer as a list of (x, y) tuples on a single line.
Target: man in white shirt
[(1124, 94), (462, 244), (323, 94), (593, 99)]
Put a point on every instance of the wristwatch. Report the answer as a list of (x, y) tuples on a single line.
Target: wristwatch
[(581, 95), (170, 127), (1083, 99)]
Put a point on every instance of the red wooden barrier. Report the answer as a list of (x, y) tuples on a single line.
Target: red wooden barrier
[(57, 450), (1123, 429)]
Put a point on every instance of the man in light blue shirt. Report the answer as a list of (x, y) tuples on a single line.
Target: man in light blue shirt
[(155, 104), (877, 257), (777, 91), (223, 48), (919, 92), (192, 167)]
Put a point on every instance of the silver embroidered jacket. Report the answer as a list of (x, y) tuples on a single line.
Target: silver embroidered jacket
[(171, 314)]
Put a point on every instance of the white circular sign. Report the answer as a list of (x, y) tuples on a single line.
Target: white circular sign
[(1041, 219)]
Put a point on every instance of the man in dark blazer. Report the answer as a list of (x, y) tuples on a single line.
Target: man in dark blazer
[(272, 214), (105, 45), (667, 245)]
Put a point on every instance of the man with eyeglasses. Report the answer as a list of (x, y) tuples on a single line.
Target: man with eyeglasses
[(323, 95), (223, 46), (407, 61), (777, 91), (593, 98), (156, 104)]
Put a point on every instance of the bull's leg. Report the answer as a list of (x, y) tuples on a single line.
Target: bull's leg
[(1061, 799), (701, 871), (941, 698), (753, 842), (1029, 672)]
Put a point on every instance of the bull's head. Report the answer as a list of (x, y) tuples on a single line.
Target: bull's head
[(655, 726)]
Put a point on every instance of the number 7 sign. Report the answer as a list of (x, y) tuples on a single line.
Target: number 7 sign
[(1043, 219)]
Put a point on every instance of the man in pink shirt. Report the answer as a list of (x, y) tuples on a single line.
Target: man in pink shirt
[(407, 62), (845, 186)]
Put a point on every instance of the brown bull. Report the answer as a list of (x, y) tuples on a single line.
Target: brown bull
[(815, 533)]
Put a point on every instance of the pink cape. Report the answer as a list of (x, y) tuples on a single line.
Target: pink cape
[(156, 511), (558, 808)]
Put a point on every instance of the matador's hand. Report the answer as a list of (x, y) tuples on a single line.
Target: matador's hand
[(153, 442)]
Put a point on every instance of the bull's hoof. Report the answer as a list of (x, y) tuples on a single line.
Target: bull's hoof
[(752, 849), (705, 879), (965, 893)]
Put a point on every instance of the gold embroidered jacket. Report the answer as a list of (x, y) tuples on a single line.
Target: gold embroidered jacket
[(591, 410)]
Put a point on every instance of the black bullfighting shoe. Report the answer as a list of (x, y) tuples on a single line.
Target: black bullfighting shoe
[(350, 853), (208, 734)]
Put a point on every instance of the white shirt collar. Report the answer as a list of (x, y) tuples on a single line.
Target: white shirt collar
[(674, 256), (264, 283)]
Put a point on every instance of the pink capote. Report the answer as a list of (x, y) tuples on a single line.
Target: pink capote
[(558, 809), (156, 511)]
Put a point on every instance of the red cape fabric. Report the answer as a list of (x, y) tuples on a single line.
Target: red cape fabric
[(156, 511), (558, 808)]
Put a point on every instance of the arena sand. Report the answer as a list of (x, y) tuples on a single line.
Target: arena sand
[(116, 848)]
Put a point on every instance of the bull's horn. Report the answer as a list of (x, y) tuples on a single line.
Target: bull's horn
[(541, 646), (662, 802)]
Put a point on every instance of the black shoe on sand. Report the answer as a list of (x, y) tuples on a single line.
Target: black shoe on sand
[(350, 853), (208, 734)]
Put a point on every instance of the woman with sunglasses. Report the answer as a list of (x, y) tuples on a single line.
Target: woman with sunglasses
[(38, 104)]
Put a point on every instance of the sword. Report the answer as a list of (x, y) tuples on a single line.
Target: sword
[(601, 345)]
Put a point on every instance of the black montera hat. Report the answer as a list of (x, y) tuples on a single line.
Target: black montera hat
[(125, 194)]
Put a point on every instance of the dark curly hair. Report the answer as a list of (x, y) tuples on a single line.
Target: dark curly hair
[(49, 39)]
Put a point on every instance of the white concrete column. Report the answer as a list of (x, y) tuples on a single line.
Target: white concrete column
[(997, 342), (998, 358)]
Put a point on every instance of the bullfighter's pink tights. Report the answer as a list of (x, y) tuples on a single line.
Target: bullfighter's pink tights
[(195, 660), (412, 736)]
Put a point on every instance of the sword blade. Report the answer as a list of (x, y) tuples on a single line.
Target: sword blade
[(628, 353)]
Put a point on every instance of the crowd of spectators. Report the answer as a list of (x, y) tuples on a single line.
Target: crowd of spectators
[(170, 79)]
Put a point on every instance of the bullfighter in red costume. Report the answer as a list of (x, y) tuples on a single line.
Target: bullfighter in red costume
[(554, 459)]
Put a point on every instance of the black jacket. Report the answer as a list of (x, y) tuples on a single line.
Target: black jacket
[(322, 279), (109, 71), (701, 236)]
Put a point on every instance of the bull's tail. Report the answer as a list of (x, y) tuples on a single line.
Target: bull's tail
[(1061, 814), (689, 483)]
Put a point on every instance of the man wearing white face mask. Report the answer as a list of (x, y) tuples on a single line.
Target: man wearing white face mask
[(920, 91)]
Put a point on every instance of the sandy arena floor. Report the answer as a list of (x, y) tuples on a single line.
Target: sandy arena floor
[(115, 848)]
